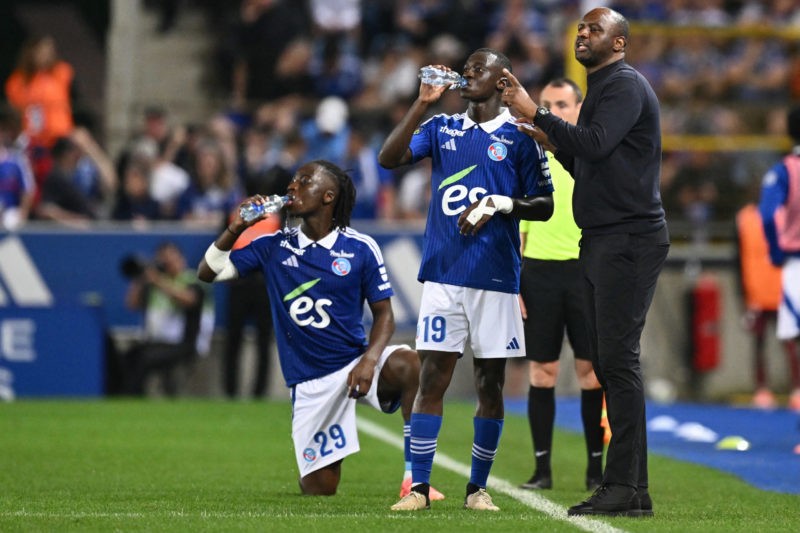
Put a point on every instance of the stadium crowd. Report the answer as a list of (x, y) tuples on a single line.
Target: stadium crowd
[(329, 79)]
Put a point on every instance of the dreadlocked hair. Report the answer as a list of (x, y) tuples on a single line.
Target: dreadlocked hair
[(346, 199)]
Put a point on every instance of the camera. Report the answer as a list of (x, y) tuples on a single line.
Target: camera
[(132, 266)]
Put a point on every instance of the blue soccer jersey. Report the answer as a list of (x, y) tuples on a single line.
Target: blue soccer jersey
[(471, 160), (317, 292)]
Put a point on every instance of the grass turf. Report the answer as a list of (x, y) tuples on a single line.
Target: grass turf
[(194, 465)]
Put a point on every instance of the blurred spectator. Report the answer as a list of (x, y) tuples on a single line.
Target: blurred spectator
[(156, 138), (328, 133), (335, 69), (770, 13), (212, 192), (414, 193), (82, 178), (758, 70), (375, 189), (266, 176), (95, 175), (267, 48), (760, 283), (779, 206), (224, 131), (168, 181), (692, 69), (156, 126), (647, 53), (17, 185), (336, 16), (134, 201), (178, 319), (520, 30), (640, 10), (392, 75), (40, 88), (420, 21), (692, 192)]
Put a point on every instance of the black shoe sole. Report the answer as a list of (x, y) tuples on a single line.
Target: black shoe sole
[(535, 486), (630, 513)]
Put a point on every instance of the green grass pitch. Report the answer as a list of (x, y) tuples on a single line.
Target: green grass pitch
[(194, 465)]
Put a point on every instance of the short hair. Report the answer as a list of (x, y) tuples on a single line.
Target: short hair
[(793, 123), (503, 59), (346, 199), (620, 24), (566, 82)]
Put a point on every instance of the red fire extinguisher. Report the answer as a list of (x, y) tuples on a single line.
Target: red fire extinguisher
[(706, 323)]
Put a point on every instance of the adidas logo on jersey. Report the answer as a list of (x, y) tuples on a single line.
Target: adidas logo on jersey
[(449, 145), (513, 345), (291, 261)]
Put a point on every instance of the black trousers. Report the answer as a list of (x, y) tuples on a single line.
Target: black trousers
[(620, 271), (247, 297), (150, 357)]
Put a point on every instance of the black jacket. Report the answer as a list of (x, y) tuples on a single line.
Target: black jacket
[(613, 153)]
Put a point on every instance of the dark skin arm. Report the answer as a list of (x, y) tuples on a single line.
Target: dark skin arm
[(360, 378), (532, 208), (228, 237), (395, 152)]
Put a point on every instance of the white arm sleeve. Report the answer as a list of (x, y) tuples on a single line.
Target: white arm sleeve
[(219, 261), (228, 272)]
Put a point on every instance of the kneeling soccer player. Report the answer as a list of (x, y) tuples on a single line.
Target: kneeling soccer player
[(319, 274)]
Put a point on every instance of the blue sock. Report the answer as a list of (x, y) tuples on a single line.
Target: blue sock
[(407, 445), (424, 434), (484, 448)]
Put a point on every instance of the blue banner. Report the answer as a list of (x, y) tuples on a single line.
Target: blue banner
[(55, 351)]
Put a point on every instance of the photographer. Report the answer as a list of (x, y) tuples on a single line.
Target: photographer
[(178, 318)]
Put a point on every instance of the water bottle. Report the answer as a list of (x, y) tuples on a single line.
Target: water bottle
[(252, 211), (436, 76)]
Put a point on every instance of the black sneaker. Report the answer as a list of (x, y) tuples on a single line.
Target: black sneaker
[(538, 482), (608, 500), (593, 483), (643, 504)]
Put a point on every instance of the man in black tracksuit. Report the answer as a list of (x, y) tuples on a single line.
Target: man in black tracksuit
[(614, 155)]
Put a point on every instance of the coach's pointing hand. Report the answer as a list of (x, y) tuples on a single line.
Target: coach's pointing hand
[(515, 95)]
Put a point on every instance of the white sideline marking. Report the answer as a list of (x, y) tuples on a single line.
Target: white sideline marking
[(529, 498)]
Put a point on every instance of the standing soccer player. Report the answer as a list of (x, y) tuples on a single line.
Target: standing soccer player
[(318, 276), (485, 176)]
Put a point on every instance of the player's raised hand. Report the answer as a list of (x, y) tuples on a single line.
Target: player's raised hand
[(515, 95), (431, 93)]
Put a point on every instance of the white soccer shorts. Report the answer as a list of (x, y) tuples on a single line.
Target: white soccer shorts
[(324, 417), (491, 320), (788, 326)]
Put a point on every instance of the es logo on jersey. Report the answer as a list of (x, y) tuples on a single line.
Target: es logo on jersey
[(306, 311), (497, 151)]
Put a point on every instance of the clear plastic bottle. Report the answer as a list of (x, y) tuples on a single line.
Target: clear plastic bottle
[(436, 76), (252, 211)]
